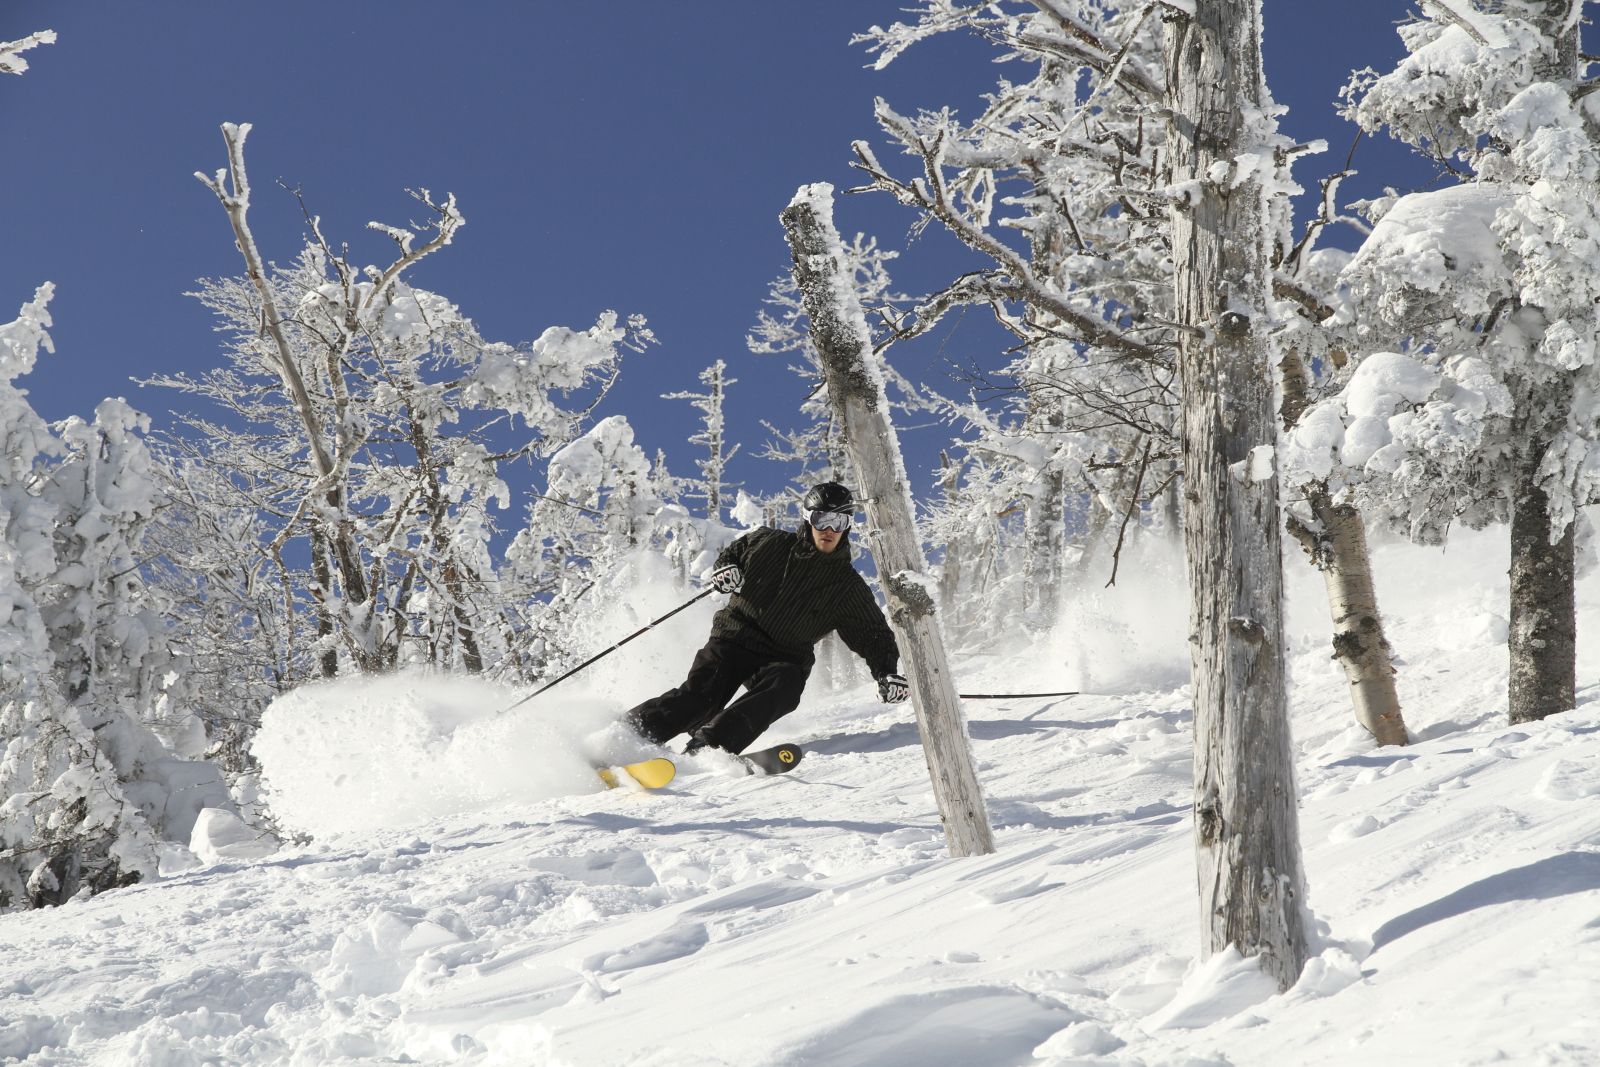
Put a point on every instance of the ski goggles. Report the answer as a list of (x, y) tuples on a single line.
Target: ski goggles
[(830, 520)]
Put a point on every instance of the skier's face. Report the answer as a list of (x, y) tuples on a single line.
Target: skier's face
[(826, 540)]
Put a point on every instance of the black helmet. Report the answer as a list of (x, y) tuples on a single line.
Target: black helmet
[(828, 496)]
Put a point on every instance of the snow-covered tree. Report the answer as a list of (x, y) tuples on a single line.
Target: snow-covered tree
[(235, 628), (89, 788), (598, 531), (1090, 433), (1056, 182), (713, 489), (369, 421), (1473, 311)]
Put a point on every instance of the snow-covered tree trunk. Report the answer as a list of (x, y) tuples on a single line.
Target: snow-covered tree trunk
[(1336, 541), (855, 389), (950, 573), (1246, 821), (1543, 633), (1046, 503)]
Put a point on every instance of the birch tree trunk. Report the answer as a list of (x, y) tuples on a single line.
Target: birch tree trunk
[(1337, 545), (855, 390), (1246, 820)]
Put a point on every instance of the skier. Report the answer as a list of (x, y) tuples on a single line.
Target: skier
[(790, 590)]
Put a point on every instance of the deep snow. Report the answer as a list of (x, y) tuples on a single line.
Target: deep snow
[(472, 897)]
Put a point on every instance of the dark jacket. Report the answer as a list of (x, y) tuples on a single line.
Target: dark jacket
[(794, 595)]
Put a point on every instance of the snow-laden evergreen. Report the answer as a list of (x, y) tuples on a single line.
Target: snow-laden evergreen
[(89, 687)]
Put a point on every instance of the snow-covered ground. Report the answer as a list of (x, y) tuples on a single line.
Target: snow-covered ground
[(472, 897)]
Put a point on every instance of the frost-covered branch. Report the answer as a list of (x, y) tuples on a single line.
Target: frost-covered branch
[(11, 61), (236, 202), (931, 194)]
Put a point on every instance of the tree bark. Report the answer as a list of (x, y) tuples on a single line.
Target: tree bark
[(1543, 625), (1246, 821), (1337, 544), (855, 390)]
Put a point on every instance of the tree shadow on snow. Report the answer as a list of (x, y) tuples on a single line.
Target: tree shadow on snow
[(1554, 876), (759, 829), (904, 734)]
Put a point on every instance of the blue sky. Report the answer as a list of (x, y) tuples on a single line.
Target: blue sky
[(631, 155)]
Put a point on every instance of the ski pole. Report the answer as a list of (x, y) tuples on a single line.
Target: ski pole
[(646, 628), (1011, 696)]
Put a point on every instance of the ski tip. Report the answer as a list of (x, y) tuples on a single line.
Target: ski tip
[(652, 773), (647, 774)]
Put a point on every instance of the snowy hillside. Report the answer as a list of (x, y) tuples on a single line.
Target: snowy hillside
[(472, 897)]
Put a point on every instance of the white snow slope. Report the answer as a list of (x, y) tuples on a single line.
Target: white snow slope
[(814, 919)]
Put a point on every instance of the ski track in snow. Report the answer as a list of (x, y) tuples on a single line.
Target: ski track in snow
[(814, 919)]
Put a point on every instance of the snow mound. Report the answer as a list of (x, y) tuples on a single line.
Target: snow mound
[(221, 835), (366, 753), (1220, 988)]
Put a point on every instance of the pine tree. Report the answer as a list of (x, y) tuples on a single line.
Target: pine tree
[(86, 676)]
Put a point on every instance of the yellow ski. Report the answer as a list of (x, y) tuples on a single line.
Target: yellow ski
[(651, 774)]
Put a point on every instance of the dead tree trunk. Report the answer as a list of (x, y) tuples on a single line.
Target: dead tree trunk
[(1336, 541), (1246, 821), (855, 390)]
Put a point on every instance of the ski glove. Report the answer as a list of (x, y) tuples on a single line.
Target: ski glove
[(892, 689), (727, 579)]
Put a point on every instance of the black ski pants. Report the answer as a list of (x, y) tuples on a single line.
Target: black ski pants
[(699, 707)]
